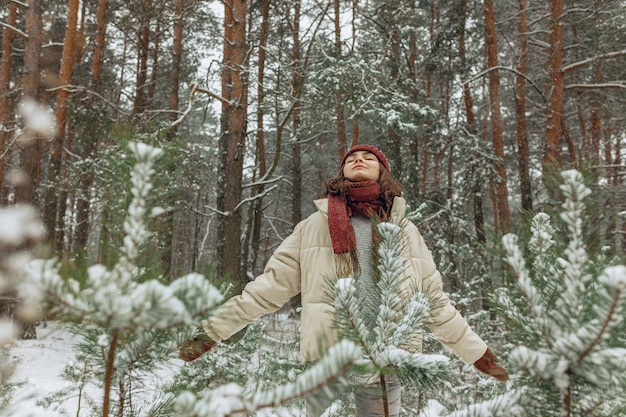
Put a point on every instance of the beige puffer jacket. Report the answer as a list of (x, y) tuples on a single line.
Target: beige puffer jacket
[(304, 262)]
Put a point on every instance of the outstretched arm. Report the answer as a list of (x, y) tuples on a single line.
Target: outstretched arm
[(278, 283)]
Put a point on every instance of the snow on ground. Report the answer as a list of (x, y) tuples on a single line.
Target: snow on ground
[(39, 366)]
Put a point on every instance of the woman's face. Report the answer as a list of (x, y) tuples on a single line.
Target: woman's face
[(361, 166)]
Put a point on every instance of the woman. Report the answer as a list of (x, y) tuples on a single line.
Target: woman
[(335, 241)]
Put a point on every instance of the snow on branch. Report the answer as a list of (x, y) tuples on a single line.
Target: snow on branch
[(616, 84), (576, 310), (20, 33), (593, 59), (509, 404), (524, 282), (385, 322), (21, 228), (115, 298), (232, 399)]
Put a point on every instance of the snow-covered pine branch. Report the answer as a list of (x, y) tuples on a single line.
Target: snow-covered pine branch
[(114, 298), (385, 335), (21, 228), (348, 319), (509, 404), (529, 291), (126, 322), (134, 225), (577, 312), (232, 399)]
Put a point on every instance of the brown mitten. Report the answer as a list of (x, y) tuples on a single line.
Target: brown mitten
[(488, 365), (195, 347)]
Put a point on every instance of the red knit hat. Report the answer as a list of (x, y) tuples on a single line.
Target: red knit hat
[(367, 148)]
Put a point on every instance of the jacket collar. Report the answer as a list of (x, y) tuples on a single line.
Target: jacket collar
[(322, 205)]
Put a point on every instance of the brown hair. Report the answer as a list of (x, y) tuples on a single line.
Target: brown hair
[(389, 187)]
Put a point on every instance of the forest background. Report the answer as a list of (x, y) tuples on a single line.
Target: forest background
[(476, 104)]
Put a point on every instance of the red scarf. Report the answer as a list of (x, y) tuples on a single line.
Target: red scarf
[(362, 198)]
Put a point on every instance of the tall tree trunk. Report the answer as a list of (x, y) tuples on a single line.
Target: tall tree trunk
[(470, 117), (595, 126), (177, 59), (53, 203), (28, 143), (255, 214), (166, 238), (414, 145), (143, 51), (553, 134), (497, 133), (339, 111), (297, 82), (29, 150), (83, 205), (596, 131), (428, 95), (394, 139), (98, 52), (584, 131), (6, 63), (154, 74), (232, 142), (523, 154), (616, 164), (80, 34), (435, 84), (122, 78)]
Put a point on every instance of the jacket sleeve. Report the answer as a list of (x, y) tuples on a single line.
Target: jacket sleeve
[(445, 322), (279, 282)]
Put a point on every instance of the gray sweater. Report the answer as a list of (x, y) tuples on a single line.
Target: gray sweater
[(365, 281)]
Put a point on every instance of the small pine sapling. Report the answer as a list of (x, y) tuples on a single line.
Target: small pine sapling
[(385, 323), (566, 312), (386, 330), (129, 324)]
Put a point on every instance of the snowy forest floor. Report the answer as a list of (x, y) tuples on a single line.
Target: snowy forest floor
[(39, 365)]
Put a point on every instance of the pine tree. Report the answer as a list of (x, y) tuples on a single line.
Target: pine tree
[(566, 312), (385, 323), (385, 330), (129, 325)]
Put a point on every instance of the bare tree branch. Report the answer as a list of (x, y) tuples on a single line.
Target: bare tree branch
[(80, 89), (18, 32), (215, 96), (500, 67), (242, 202), (186, 112), (588, 61), (616, 84)]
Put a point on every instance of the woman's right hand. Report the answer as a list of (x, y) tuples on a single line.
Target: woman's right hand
[(196, 346)]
